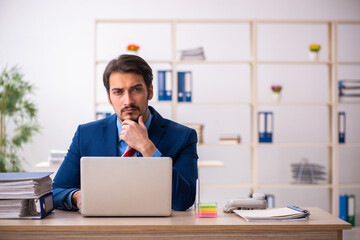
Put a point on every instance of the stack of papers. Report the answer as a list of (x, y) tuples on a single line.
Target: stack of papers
[(56, 157), (25, 195), (24, 185), (193, 54), (270, 214), (15, 208), (308, 173)]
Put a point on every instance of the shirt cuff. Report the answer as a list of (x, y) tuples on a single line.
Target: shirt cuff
[(157, 153), (68, 202)]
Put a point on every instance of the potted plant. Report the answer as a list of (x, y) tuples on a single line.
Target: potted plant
[(276, 89), (133, 49), (314, 51), (17, 117)]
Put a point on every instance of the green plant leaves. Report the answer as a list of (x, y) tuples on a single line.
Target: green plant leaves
[(17, 109)]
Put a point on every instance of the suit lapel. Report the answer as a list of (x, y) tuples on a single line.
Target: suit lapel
[(157, 127), (110, 138)]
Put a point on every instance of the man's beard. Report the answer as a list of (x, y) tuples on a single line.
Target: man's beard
[(133, 118)]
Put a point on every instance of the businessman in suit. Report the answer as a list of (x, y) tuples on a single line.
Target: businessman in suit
[(128, 82)]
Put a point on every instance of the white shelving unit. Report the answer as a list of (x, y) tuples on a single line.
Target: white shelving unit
[(251, 35)]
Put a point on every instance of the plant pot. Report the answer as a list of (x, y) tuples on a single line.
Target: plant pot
[(276, 97), (132, 52), (314, 56)]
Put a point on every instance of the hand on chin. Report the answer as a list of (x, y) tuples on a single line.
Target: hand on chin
[(131, 117)]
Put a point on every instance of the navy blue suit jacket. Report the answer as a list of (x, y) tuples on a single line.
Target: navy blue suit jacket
[(99, 138)]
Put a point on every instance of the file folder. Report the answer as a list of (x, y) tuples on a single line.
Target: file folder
[(351, 210), (184, 86), (25, 195), (164, 85), (33, 208), (341, 127), (265, 125), (343, 207)]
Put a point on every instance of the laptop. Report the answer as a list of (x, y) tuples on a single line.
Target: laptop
[(126, 186)]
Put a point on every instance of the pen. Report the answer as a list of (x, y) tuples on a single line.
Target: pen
[(297, 209)]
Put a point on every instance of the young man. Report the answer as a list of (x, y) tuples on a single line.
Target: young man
[(128, 82)]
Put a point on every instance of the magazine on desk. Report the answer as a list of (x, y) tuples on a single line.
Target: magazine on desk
[(274, 214)]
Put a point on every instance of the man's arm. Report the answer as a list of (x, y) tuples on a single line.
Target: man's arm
[(185, 173), (67, 179)]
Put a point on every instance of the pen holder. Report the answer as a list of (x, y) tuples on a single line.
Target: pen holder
[(207, 210)]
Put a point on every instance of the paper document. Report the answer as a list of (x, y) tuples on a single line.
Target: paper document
[(285, 213)]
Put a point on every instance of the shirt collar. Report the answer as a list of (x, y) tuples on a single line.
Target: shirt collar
[(147, 124)]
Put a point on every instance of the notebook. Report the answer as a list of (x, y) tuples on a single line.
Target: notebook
[(126, 186)]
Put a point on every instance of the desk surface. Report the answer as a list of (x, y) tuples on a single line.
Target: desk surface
[(179, 222), (69, 220)]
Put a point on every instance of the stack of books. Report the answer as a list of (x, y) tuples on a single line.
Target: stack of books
[(193, 54), (56, 157), (229, 139), (199, 130), (25, 195), (307, 173)]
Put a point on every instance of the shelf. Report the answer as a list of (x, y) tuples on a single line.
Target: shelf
[(47, 165), (243, 185), (245, 144), (348, 103), (349, 144), (213, 103), (149, 61), (296, 144), (349, 185), (290, 185), (295, 62), (210, 163), (296, 103), (183, 62), (349, 63)]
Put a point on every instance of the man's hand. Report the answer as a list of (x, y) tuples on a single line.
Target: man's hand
[(76, 199), (136, 136)]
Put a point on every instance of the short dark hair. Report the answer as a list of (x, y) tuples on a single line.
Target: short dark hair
[(128, 63)]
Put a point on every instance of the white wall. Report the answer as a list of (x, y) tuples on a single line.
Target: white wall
[(53, 43)]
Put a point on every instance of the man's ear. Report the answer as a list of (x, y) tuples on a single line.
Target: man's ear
[(151, 92)]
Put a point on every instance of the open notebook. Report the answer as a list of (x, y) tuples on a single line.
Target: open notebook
[(270, 214)]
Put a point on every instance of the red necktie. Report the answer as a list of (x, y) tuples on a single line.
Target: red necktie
[(129, 152)]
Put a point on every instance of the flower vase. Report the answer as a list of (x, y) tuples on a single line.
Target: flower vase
[(132, 52), (276, 97), (314, 56)]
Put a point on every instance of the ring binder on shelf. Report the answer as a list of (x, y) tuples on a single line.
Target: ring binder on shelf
[(341, 127), (265, 127), (164, 85)]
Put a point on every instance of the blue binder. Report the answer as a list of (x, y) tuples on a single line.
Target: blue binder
[(270, 200), (341, 123), (188, 86), (343, 207), (184, 86), (164, 85), (265, 125)]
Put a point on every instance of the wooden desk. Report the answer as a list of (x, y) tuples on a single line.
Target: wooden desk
[(181, 225)]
